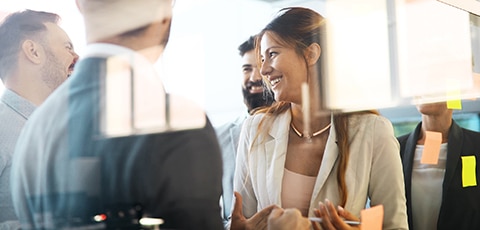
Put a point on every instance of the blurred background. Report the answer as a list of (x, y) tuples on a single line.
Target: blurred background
[(379, 44)]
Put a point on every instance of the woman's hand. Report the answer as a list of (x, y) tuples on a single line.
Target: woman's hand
[(288, 219), (258, 221), (333, 218)]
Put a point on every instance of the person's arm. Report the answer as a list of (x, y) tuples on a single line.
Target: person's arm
[(244, 214), (288, 219), (386, 182), (258, 221)]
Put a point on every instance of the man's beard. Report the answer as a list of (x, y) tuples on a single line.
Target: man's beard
[(52, 73), (257, 100)]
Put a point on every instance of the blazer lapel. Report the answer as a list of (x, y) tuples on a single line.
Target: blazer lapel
[(407, 158), (275, 151), (455, 140), (329, 158), (407, 163)]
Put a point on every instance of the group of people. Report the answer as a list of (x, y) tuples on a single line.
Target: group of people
[(64, 172), (352, 159), (285, 160)]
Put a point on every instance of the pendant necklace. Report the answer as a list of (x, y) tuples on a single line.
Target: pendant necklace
[(313, 135)]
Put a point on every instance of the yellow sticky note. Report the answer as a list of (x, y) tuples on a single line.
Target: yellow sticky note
[(372, 218), (454, 94), (431, 150), (469, 174), (454, 104)]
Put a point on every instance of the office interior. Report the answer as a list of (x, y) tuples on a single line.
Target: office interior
[(201, 61)]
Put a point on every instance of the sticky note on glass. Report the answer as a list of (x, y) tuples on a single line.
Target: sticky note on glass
[(469, 174), (431, 150), (453, 94), (372, 218), (454, 104)]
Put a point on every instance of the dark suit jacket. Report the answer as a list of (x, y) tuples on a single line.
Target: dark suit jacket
[(460, 208), (66, 172)]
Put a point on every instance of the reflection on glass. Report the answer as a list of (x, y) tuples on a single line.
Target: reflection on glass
[(433, 62), (358, 63), (133, 105)]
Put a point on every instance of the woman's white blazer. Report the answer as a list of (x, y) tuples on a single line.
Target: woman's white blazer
[(374, 168)]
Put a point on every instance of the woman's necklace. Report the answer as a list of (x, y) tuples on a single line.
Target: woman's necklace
[(314, 134)]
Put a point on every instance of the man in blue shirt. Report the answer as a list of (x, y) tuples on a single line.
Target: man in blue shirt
[(36, 56), (255, 95)]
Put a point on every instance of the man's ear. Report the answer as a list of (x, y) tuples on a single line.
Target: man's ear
[(32, 51), (312, 53)]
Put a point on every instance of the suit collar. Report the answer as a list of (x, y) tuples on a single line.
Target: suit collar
[(409, 154), (407, 163), (455, 142), (330, 157), (17, 103), (276, 147)]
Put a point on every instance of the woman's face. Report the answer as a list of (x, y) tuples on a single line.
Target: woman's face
[(284, 69)]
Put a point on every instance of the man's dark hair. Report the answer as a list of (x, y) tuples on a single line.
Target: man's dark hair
[(247, 45), (15, 29)]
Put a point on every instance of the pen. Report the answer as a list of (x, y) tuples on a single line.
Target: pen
[(349, 222)]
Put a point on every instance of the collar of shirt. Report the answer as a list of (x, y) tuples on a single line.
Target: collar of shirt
[(19, 104)]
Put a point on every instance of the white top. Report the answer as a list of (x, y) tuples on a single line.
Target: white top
[(374, 168), (297, 190), (427, 181)]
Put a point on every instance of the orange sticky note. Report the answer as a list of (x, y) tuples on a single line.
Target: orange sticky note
[(372, 218), (469, 174), (431, 150)]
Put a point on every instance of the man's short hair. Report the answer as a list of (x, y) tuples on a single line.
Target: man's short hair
[(15, 29), (247, 45)]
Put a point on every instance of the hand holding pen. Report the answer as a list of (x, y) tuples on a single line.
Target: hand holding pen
[(329, 217)]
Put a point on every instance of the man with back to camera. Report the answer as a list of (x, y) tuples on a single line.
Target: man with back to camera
[(255, 95), (436, 195), (82, 173), (36, 56)]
